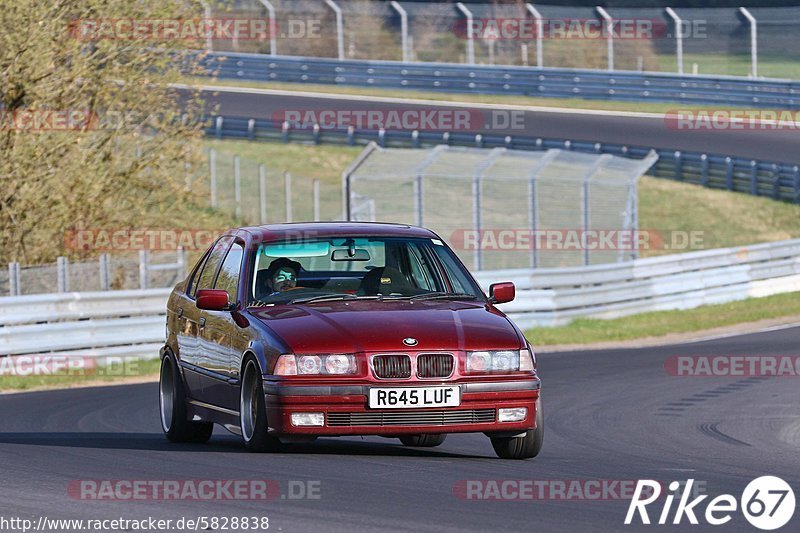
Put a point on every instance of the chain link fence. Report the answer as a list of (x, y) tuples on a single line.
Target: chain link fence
[(687, 40), (504, 208)]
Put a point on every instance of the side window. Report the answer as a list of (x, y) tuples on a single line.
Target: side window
[(196, 275), (228, 278), (206, 277)]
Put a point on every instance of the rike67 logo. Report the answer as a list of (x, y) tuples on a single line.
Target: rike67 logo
[(767, 503)]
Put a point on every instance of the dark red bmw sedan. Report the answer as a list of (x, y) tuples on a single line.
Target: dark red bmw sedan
[(289, 332)]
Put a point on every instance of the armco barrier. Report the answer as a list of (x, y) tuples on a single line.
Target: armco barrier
[(545, 297), (531, 81), (780, 181), (549, 297)]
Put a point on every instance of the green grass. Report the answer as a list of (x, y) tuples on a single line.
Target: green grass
[(659, 323), (723, 218), (134, 368), (734, 65)]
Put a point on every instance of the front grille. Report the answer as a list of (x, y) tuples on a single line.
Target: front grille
[(392, 366), (438, 417), (434, 365)]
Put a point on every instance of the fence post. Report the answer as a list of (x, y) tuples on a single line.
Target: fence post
[(251, 129), (218, 128), (704, 170), (62, 274), (753, 41), (351, 135), (729, 173), (287, 188), (262, 193), (678, 37), (212, 165), (339, 27), (678, 170), (419, 198), (754, 178), (539, 34), (14, 288), (144, 260), (273, 29), (403, 29), (105, 274), (776, 183), (796, 185), (470, 37), (609, 35), (237, 186), (285, 131), (315, 194), (180, 263)]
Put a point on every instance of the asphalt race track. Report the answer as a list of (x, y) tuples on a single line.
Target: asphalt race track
[(609, 415), (778, 145)]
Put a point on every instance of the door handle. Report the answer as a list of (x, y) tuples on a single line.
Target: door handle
[(202, 322)]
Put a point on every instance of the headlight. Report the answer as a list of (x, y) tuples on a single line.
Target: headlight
[(500, 361), (311, 365)]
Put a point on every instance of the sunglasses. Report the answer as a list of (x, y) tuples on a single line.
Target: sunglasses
[(285, 277)]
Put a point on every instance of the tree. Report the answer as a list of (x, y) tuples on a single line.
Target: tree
[(91, 132)]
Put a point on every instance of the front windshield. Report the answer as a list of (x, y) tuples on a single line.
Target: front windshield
[(346, 268)]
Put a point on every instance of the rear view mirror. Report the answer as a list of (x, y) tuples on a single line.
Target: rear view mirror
[(358, 254)]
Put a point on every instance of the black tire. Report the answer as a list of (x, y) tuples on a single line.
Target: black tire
[(525, 447), (253, 411), (423, 441), (172, 406)]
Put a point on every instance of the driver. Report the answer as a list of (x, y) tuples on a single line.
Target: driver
[(282, 275)]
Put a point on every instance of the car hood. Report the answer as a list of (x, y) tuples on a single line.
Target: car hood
[(371, 326)]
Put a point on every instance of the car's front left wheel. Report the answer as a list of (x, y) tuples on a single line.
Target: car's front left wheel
[(423, 441), (253, 411), (172, 404), (526, 446)]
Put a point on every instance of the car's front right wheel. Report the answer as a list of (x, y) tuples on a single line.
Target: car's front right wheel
[(525, 447), (253, 411)]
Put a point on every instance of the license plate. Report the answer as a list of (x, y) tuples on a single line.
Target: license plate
[(411, 397)]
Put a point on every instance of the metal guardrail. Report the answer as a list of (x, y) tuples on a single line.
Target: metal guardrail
[(529, 81), (89, 323), (550, 297), (545, 297), (775, 180)]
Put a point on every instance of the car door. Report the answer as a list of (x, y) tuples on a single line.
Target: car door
[(198, 360), (220, 334)]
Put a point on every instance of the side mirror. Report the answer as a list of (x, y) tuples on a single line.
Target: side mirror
[(500, 293), (213, 300)]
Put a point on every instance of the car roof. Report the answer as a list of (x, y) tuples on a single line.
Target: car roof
[(271, 232)]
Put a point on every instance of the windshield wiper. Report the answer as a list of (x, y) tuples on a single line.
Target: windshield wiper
[(444, 296), (332, 297)]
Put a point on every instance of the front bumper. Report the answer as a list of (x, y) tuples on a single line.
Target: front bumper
[(346, 409)]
